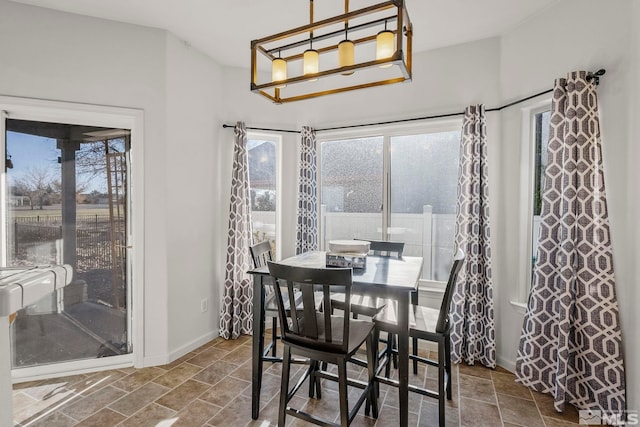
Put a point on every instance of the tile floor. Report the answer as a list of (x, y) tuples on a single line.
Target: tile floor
[(211, 386)]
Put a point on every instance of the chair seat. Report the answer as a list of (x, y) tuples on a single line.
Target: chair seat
[(360, 304), (422, 320)]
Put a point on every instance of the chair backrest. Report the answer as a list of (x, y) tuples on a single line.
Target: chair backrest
[(445, 307), (386, 248), (306, 325), (261, 254)]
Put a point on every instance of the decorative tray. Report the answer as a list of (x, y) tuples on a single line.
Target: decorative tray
[(347, 259)]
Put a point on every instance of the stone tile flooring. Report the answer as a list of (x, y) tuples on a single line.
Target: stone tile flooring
[(211, 386)]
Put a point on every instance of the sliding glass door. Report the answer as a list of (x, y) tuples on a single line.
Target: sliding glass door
[(67, 202)]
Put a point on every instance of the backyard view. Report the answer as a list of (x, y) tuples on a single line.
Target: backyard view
[(37, 232), (262, 189), (66, 204), (422, 189)]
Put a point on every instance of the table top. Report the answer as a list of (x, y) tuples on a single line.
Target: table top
[(382, 276)]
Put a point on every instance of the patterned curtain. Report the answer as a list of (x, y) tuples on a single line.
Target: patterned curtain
[(473, 332), (307, 226), (571, 343), (236, 315)]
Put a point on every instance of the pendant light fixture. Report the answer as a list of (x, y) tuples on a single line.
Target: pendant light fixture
[(381, 34), (310, 57), (384, 45), (346, 48)]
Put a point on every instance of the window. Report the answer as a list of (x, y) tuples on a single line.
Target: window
[(396, 184), (262, 152), (535, 139), (540, 161)]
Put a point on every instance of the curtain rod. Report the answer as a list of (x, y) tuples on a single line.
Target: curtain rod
[(595, 76), (225, 126)]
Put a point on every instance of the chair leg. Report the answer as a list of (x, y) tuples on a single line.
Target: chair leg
[(312, 377), (390, 355), (343, 392), (447, 355), (376, 350), (415, 353), (284, 386), (395, 356), (274, 335), (372, 367), (314, 381), (441, 384), (318, 384)]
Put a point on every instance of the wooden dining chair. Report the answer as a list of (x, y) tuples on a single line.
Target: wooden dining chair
[(322, 338), (431, 325), (261, 254)]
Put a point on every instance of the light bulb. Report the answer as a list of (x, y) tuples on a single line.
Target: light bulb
[(279, 71), (346, 53), (310, 60), (384, 46)]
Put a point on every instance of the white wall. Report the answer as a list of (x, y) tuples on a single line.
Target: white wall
[(630, 295), (192, 110)]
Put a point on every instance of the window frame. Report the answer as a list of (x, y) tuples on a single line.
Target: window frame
[(527, 188), (277, 140)]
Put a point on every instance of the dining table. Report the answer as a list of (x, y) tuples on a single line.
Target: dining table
[(383, 277)]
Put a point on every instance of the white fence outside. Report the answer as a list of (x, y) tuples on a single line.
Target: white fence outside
[(428, 235)]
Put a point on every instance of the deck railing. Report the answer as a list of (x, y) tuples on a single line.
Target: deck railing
[(425, 234)]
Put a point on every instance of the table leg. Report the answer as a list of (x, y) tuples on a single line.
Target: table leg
[(403, 358), (6, 390), (258, 344)]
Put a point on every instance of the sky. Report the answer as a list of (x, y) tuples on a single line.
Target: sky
[(36, 152), (30, 151)]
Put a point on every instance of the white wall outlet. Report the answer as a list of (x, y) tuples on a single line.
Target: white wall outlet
[(204, 305)]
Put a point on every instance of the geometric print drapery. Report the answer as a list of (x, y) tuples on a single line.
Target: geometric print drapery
[(571, 342), (473, 327), (307, 211), (236, 313)]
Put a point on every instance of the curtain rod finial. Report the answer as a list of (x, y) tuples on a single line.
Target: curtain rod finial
[(595, 76)]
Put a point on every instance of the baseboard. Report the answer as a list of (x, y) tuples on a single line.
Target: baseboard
[(164, 359), (181, 351), (156, 360), (509, 365)]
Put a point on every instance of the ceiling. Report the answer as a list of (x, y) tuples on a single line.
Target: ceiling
[(223, 29)]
